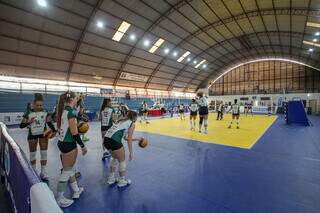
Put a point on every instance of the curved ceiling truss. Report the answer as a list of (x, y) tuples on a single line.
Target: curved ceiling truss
[(68, 45)]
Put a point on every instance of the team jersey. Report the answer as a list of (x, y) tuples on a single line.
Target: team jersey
[(38, 126), (202, 102), (106, 116), (144, 107), (64, 131), (235, 108), (181, 107), (220, 108), (193, 107), (119, 130)]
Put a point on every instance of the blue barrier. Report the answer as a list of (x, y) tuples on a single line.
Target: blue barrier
[(19, 178)]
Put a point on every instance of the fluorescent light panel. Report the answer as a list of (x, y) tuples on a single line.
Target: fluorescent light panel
[(183, 56), (313, 24), (156, 45), (311, 43), (201, 62), (121, 31)]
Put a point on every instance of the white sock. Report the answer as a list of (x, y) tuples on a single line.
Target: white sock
[(43, 169), (60, 195), (194, 123), (191, 123), (74, 186)]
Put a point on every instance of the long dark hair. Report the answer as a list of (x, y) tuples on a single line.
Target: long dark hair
[(63, 99), (131, 115), (105, 103), (37, 97)]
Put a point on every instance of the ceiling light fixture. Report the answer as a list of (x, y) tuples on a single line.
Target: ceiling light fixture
[(166, 51), (100, 24), (42, 3), (146, 43)]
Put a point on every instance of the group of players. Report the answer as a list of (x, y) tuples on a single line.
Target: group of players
[(116, 127), (67, 115)]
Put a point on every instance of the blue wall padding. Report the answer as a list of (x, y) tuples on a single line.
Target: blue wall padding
[(296, 113)]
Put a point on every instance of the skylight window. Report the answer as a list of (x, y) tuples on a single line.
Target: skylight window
[(183, 56), (121, 31), (201, 62), (156, 45)]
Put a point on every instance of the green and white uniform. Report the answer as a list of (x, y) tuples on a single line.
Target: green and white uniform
[(64, 131), (106, 118), (38, 126), (118, 131)]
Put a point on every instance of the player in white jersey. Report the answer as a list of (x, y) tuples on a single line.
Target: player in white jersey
[(122, 130), (193, 114), (107, 117), (220, 111), (69, 137), (181, 112), (144, 109), (235, 108), (203, 112), (38, 120)]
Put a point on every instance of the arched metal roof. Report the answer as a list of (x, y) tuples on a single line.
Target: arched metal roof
[(62, 41)]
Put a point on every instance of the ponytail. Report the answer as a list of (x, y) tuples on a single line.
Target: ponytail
[(105, 103), (131, 115), (63, 99)]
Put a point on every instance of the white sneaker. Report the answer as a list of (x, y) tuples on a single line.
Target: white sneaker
[(111, 179), (77, 194), (205, 132), (64, 202), (123, 182), (199, 130)]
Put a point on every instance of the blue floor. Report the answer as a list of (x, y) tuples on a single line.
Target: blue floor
[(281, 173)]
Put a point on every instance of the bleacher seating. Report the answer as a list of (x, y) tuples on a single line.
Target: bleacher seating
[(17, 102)]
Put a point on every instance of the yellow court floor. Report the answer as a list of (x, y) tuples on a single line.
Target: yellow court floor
[(251, 129)]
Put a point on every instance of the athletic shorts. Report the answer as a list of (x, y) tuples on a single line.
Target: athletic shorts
[(193, 113), (105, 128), (34, 137), (181, 111), (203, 111), (66, 147), (111, 144)]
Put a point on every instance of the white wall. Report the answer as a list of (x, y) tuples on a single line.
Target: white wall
[(274, 98)]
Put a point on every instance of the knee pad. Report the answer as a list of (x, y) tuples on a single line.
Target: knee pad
[(205, 122), (44, 154), (122, 166), (66, 174), (201, 120), (33, 156), (113, 162)]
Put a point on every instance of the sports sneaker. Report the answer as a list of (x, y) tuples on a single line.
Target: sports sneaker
[(106, 155), (205, 131), (111, 179), (238, 127), (147, 122), (122, 182), (77, 174), (229, 127), (64, 202), (77, 194), (85, 139), (44, 176), (199, 130)]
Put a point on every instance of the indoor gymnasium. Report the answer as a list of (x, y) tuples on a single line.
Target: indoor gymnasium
[(160, 106)]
